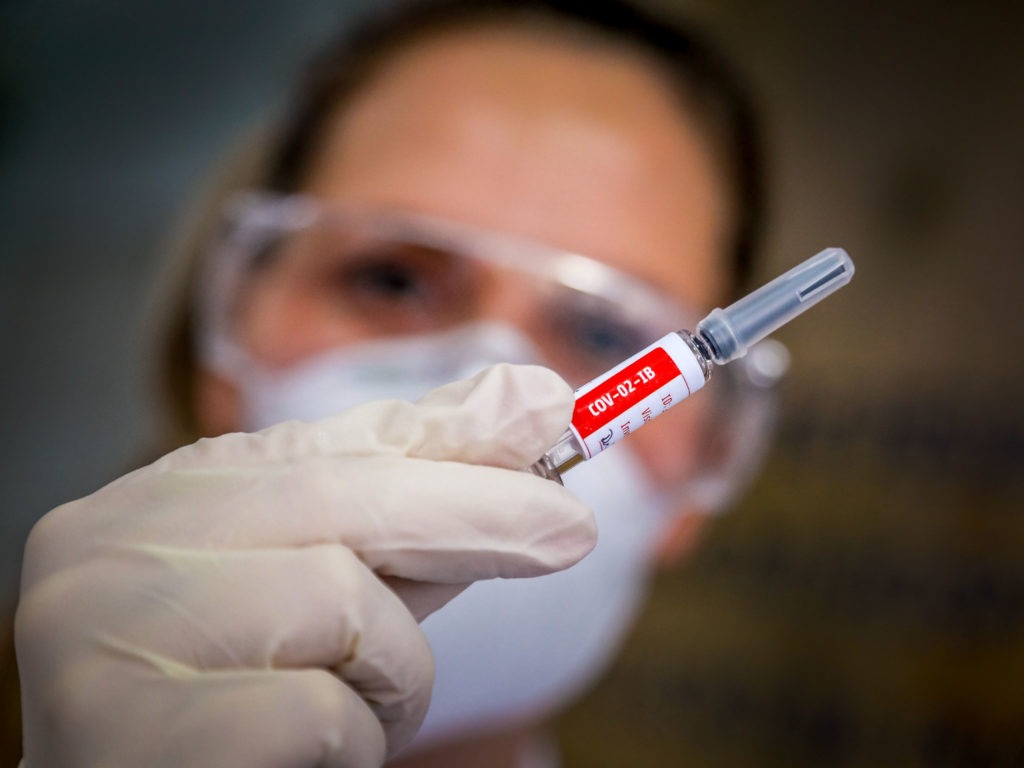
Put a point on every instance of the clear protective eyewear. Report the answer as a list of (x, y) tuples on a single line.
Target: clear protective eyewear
[(358, 273), (386, 273)]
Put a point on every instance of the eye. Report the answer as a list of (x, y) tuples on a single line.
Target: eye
[(593, 335), (400, 286), (389, 277)]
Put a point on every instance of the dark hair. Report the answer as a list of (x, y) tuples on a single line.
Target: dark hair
[(704, 84)]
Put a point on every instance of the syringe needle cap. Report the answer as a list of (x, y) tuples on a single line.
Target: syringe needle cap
[(731, 331)]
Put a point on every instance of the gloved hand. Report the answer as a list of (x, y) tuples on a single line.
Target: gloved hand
[(252, 600)]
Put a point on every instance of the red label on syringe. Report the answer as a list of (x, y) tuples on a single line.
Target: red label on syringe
[(634, 392)]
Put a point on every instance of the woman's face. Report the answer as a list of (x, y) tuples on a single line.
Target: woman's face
[(580, 147)]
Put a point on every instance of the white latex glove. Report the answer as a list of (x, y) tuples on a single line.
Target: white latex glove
[(252, 600)]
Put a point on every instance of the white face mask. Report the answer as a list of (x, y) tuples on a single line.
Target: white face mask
[(511, 651), (506, 651), (403, 368)]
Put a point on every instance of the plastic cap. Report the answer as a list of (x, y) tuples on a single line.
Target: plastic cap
[(731, 331)]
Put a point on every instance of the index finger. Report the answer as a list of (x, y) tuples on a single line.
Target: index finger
[(505, 416)]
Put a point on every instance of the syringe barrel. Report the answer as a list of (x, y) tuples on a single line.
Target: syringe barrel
[(731, 331), (625, 398)]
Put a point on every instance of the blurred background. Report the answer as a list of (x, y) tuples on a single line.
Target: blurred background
[(864, 605)]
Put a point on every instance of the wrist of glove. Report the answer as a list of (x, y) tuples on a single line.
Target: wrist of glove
[(253, 599)]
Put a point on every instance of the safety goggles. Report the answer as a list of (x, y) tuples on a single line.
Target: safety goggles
[(363, 274), (392, 274)]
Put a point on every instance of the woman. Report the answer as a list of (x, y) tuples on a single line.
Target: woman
[(253, 598)]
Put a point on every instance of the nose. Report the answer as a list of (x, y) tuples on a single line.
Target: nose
[(512, 299), (519, 300)]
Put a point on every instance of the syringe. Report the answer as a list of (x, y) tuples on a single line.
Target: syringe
[(620, 401)]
